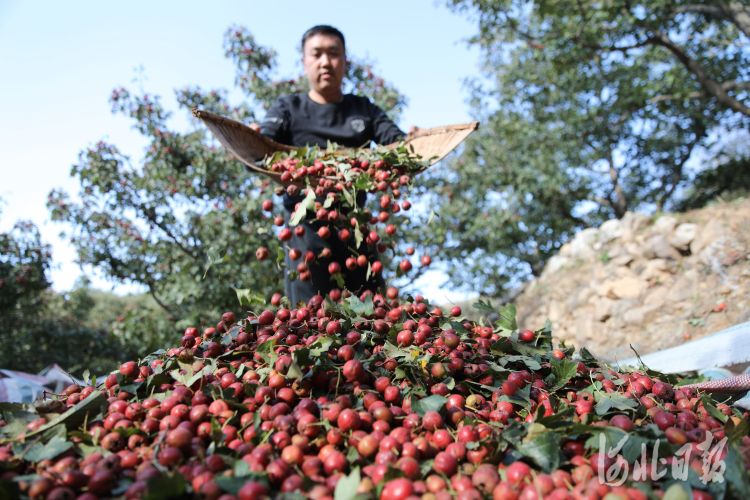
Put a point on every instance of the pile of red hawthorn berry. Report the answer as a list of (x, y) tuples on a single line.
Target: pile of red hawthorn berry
[(331, 180), (368, 397)]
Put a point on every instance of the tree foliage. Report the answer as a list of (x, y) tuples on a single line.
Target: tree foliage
[(727, 177), (41, 327), (588, 109), (186, 222)]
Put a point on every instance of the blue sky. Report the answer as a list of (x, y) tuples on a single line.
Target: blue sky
[(61, 60)]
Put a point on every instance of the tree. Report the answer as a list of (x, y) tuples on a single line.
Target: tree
[(41, 327), (187, 222), (588, 110)]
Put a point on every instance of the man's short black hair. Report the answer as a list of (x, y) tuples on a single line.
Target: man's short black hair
[(322, 29)]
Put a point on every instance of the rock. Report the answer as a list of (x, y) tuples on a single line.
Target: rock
[(620, 306), (555, 263), (683, 236), (603, 309), (743, 316), (582, 244), (658, 247), (564, 250), (579, 298), (710, 232), (556, 310), (716, 323), (622, 260), (685, 287), (713, 255), (658, 270), (634, 249), (623, 288), (664, 225), (641, 316), (585, 329), (623, 272), (610, 230), (655, 296), (635, 221)]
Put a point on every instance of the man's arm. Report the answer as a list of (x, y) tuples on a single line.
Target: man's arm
[(275, 125), (384, 130)]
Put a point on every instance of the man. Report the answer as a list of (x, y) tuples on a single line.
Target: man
[(326, 113)]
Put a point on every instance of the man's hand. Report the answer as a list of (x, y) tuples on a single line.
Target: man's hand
[(414, 129), (254, 126)]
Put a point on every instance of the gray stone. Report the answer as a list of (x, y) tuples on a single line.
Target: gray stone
[(623, 288), (655, 297), (634, 249), (582, 244), (641, 316), (610, 230), (743, 316), (658, 247), (664, 225), (685, 287), (714, 254), (683, 236), (623, 260), (556, 310), (603, 309), (579, 298), (711, 231), (555, 263), (635, 221), (658, 269)]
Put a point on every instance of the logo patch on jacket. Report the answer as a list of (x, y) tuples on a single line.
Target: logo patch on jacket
[(358, 125)]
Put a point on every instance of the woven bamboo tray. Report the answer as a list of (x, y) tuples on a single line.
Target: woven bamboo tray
[(249, 146)]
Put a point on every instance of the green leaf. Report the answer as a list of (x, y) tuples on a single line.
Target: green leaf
[(735, 474), (431, 403), (431, 217), (53, 448), (530, 362), (507, 317), (710, 407), (348, 196), (74, 417), (605, 402), (166, 486), (358, 237), (564, 370), (360, 308), (586, 355), (484, 306), (241, 468), (321, 346), (279, 256), (248, 298), (307, 204), (214, 257), (9, 490), (735, 433), (543, 451), (346, 488), (300, 363)]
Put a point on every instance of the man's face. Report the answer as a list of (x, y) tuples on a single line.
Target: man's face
[(325, 63)]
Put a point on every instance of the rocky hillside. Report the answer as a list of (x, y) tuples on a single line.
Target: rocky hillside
[(653, 282)]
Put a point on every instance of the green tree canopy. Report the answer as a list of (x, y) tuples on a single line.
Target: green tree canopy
[(588, 109), (41, 327)]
